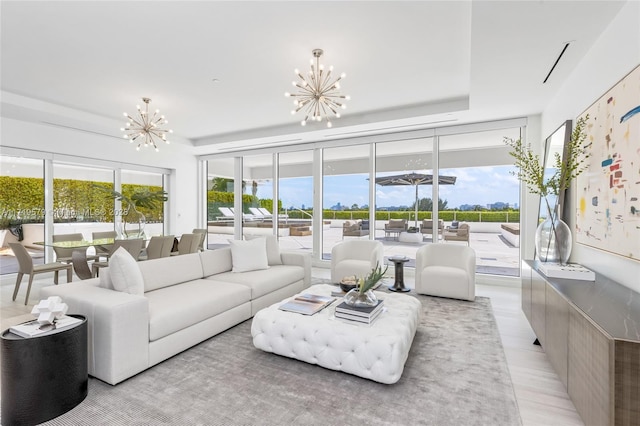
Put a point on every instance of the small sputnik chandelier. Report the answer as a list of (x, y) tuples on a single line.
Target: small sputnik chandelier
[(318, 97), (145, 129)]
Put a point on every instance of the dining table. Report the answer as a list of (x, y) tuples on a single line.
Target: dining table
[(79, 253)]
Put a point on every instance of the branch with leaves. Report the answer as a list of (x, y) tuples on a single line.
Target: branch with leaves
[(531, 167)]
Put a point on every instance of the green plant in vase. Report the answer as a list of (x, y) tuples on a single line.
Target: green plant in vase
[(133, 220), (363, 294), (553, 236)]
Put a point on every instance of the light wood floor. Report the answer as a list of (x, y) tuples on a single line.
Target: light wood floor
[(541, 397)]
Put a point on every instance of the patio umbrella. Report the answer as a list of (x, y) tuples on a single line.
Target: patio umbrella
[(414, 179)]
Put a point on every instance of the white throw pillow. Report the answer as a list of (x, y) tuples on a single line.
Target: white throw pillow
[(125, 273), (249, 255), (273, 248)]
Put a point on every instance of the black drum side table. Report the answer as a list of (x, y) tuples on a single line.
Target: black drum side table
[(398, 284), (45, 376)]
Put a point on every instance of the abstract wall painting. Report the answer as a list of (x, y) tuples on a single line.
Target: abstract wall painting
[(608, 192)]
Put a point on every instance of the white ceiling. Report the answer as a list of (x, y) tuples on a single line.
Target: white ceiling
[(415, 64)]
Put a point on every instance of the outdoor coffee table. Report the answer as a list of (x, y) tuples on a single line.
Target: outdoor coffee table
[(376, 352)]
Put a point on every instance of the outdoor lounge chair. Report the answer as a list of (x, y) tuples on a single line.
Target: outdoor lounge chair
[(268, 214), (227, 214), (258, 214)]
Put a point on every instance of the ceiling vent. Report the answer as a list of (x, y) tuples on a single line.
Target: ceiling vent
[(80, 130), (564, 49)]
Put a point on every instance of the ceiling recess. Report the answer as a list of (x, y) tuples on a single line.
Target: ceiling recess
[(564, 49)]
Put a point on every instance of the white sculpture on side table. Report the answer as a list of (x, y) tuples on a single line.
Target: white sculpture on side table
[(48, 310)]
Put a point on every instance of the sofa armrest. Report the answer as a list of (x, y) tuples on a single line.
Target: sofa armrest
[(118, 328), (299, 259)]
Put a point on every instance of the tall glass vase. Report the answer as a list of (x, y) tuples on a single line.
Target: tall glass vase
[(134, 228), (553, 239)]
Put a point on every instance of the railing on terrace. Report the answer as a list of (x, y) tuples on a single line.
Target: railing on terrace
[(446, 215)]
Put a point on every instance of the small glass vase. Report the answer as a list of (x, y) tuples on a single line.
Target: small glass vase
[(553, 241), (357, 299)]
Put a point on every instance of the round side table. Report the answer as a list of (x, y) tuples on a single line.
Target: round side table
[(43, 376), (398, 284)]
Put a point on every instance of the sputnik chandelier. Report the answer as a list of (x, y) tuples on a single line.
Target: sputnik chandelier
[(318, 97), (145, 128)]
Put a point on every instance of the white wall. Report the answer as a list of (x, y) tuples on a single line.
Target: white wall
[(94, 147), (614, 55)]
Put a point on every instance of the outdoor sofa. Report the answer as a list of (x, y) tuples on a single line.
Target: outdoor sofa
[(181, 301)]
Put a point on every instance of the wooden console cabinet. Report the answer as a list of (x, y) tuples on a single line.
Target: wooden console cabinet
[(590, 332)]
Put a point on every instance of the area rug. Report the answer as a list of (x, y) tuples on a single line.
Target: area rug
[(456, 374)]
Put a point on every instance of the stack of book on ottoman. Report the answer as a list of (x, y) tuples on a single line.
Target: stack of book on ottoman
[(360, 314)]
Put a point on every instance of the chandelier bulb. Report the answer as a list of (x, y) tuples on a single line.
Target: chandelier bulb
[(166, 121), (330, 67), (336, 86), (126, 136), (329, 125), (348, 97), (337, 115), (122, 130), (157, 111), (138, 148), (303, 122), (125, 114), (170, 131), (321, 67), (343, 106), (157, 150), (343, 75), (287, 94), (297, 71)]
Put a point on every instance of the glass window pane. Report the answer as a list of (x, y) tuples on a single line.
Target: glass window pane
[(257, 199), (145, 190), (345, 195), (485, 196), (79, 205), (21, 209), (403, 195), (295, 188), (220, 201)]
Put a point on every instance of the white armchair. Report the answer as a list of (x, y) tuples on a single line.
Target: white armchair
[(446, 270), (355, 257)]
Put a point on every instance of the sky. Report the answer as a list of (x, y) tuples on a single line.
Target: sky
[(474, 185)]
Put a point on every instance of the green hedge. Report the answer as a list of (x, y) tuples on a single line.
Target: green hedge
[(22, 200)]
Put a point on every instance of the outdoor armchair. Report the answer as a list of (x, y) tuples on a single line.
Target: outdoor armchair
[(460, 234), (426, 227), (355, 229), (395, 226)]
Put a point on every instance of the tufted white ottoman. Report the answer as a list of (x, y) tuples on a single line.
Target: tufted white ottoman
[(376, 352)]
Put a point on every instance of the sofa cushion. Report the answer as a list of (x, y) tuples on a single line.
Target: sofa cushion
[(125, 274), (168, 271), (216, 261), (248, 255), (177, 307), (273, 248), (264, 281), (105, 279)]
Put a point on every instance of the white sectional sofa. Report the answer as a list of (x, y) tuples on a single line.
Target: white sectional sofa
[(187, 299)]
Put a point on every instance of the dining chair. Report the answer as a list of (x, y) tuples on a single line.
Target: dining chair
[(105, 249), (133, 246), (159, 246), (203, 236), (188, 244), (26, 266)]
